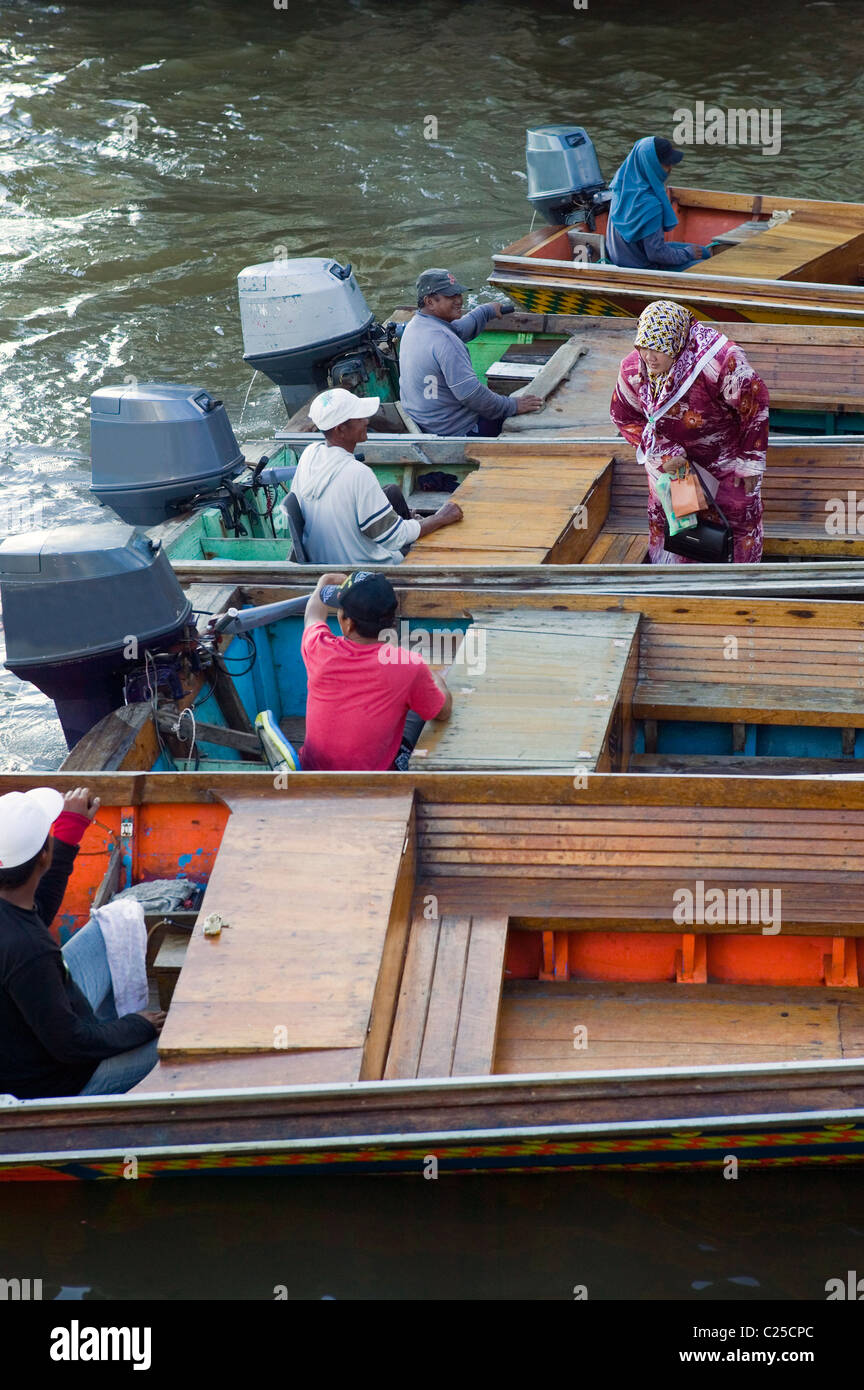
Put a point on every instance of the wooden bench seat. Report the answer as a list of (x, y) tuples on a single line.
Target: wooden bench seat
[(617, 868), (750, 673), (663, 1025), (801, 482)]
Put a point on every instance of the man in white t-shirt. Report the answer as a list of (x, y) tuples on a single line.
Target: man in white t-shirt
[(348, 518)]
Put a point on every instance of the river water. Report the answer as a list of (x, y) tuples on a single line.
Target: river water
[(148, 152)]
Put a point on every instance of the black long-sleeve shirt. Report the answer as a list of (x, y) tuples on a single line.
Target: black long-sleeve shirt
[(51, 1042)]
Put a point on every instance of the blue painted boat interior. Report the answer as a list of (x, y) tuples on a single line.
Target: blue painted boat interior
[(276, 680)]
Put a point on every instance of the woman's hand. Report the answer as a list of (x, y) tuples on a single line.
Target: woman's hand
[(670, 464)]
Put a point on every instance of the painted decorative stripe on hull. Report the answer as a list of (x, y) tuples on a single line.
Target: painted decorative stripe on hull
[(838, 1145)]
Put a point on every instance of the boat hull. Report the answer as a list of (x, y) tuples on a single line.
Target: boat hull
[(792, 1142)]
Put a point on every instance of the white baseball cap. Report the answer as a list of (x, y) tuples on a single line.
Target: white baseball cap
[(26, 819), (335, 406)]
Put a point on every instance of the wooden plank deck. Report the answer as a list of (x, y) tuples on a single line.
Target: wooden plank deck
[(518, 510), (311, 958), (807, 247), (804, 368), (545, 698), (447, 1016), (666, 1025)]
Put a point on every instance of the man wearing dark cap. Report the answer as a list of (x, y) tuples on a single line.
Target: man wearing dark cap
[(438, 386), (367, 701), (641, 213)]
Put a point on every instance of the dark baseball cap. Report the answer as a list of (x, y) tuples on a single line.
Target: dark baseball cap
[(666, 151), (370, 599), (438, 282)]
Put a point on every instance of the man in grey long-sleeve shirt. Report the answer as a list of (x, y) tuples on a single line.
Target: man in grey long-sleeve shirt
[(438, 385)]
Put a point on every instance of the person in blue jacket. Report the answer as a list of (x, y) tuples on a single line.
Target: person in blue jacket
[(641, 212)]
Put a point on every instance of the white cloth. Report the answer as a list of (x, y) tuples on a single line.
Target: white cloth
[(347, 519), (125, 935)]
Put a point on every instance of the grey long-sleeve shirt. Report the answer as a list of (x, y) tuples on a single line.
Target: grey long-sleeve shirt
[(438, 385)]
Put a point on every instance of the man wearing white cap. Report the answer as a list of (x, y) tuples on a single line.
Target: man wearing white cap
[(52, 1042), (348, 518)]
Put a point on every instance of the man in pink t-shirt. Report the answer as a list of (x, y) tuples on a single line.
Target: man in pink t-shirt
[(362, 690)]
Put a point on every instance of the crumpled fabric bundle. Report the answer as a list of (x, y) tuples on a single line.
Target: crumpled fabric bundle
[(162, 894)]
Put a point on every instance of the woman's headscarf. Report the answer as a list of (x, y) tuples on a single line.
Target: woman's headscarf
[(668, 327), (640, 203), (664, 327)]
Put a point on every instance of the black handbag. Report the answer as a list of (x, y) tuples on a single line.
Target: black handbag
[(708, 542)]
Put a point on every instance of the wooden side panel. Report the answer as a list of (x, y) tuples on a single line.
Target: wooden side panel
[(585, 525), (392, 960)]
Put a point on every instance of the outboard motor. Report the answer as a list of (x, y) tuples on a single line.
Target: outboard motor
[(307, 326), (82, 607), (565, 184), (154, 447)]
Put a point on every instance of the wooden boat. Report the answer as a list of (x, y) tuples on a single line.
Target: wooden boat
[(535, 502), (426, 973), (804, 268), (543, 680), (815, 377)]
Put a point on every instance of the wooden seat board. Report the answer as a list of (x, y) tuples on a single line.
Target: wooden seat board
[(303, 948), (655, 1028), (545, 696), (802, 704)]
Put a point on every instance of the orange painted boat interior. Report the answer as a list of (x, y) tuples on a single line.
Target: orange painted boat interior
[(182, 840), (653, 957), (696, 224), (701, 225), (168, 841)]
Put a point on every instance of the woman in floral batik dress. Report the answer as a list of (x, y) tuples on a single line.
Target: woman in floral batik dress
[(687, 392)]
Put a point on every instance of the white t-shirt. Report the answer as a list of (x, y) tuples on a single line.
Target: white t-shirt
[(347, 518)]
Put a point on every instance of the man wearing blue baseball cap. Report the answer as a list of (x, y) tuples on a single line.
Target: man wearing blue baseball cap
[(438, 386)]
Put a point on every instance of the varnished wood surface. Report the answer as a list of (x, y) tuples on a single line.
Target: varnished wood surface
[(645, 1025), (514, 511), (298, 964), (447, 1017)]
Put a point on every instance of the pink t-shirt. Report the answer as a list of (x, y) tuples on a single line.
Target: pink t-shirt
[(359, 696)]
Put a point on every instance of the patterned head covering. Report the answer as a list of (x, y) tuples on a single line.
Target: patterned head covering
[(663, 327)]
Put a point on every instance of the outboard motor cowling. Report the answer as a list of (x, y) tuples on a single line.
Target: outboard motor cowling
[(307, 327), (81, 606), (564, 179), (297, 316), (154, 446)]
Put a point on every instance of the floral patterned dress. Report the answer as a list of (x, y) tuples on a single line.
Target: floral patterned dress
[(721, 424)]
